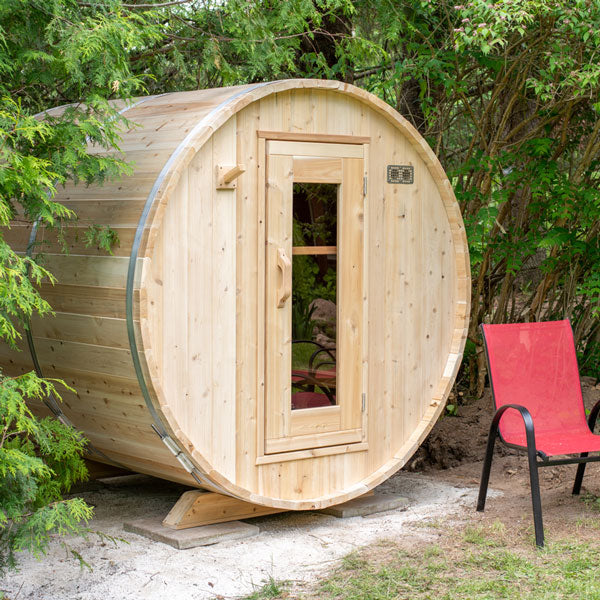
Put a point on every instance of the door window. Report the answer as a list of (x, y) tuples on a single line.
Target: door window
[(314, 295)]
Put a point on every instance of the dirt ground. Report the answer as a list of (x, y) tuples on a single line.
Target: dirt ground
[(440, 481), (454, 450)]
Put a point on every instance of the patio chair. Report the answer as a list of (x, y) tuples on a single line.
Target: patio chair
[(315, 385), (538, 401)]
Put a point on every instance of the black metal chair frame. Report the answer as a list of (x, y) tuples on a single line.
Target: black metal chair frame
[(532, 455), (312, 380)]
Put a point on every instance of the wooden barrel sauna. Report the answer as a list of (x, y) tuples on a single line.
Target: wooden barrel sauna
[(286, 309)]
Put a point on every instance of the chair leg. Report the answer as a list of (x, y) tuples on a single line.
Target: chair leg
[(536, 501), (534, 479), (579, 475), (581, 468), (487, 467)]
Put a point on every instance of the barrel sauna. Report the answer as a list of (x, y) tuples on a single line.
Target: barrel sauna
[(285, 311)]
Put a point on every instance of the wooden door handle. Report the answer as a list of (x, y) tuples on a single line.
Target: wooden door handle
[(284, 290)]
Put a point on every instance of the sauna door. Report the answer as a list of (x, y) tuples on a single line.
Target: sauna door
[(314, 295)]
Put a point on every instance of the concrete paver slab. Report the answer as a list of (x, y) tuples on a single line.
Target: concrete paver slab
[(193, 537)]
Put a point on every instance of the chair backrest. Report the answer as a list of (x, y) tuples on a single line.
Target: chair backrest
[(535, 365)]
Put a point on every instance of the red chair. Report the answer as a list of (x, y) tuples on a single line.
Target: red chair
[(309, 400), (538, 401)]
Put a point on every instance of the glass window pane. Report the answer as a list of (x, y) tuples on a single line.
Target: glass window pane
[(314, 299)]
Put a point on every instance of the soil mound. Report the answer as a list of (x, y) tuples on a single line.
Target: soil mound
[(461, 438)]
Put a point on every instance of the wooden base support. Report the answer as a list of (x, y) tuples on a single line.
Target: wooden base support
[(196, 508)]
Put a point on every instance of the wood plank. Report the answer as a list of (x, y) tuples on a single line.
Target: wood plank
[(100, 395), (147, 160), (415, 304), (297, 136), (87, 329), (439, 274), (224, 291), (112, 213), (113, 432), (313, 250), (172, 328), (315, 420), (200, 316), (317, 440), (83, 357), (278, 355), (70, 240), (103, 406), (195, 508), (312, 453), (151, 463), (317, 170), (261, 403), (340, 109), (247, 308), (398, 278), (151, 307), (16, 361), (301, 114), (112, 413), (124, 188), (365, 287), (350, 294), (17, 236), (99, 271), (379, 425), (89, 300), (314, 149), (151, 459)]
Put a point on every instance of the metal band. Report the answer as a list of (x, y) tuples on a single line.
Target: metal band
[(51, 401), (158, 426)]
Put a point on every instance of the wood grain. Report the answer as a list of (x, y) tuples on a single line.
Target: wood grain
[(195, 509)]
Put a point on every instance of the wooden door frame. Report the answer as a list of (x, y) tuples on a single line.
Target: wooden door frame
[(312, 147)]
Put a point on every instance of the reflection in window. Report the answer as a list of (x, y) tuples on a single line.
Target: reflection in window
[(314, 301)]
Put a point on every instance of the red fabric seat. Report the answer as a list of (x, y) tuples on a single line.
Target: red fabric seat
[(569, 442), (535, 365)]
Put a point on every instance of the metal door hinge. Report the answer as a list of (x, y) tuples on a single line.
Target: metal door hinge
[(364, 402), (364, 186)]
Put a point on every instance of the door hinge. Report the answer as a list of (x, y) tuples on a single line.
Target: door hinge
[(364, 402), (364, 186)]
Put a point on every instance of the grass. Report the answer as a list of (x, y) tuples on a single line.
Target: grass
[(301, 354), (481, 570), (591, 501), (271, 589), (475, 562)]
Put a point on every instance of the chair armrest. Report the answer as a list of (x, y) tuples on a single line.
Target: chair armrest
[(527, 421)]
